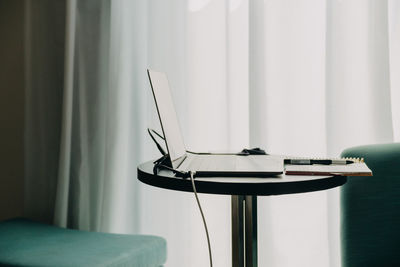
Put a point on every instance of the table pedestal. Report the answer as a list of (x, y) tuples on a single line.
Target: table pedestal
[(244, 231)]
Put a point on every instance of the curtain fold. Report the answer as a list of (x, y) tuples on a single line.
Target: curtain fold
[(44, 70), (394, 62), (293, 77), (102, 126)]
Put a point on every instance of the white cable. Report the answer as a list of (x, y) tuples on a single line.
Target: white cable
[(202, 215)]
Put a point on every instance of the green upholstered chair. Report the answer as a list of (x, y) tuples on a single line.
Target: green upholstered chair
[(27, 243), (370, 209)]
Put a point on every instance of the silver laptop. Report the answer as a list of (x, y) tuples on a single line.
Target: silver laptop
[(204, 165)]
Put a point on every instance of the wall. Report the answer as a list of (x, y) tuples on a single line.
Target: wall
[(11, 108)]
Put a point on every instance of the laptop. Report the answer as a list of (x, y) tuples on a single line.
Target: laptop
[(205, 165)]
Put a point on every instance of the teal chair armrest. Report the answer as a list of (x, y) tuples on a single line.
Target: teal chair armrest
[(27, 243), (370, 209)]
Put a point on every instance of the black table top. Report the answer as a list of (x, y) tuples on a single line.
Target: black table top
[(277, 185)]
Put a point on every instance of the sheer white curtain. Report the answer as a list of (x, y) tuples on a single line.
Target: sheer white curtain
[(295, 77), (103, 127)]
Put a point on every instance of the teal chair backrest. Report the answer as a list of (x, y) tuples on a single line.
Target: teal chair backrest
[(370, 209)]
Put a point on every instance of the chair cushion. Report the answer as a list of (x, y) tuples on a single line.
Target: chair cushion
[(27, 243), (370, 209)]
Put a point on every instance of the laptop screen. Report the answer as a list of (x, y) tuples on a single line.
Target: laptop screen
[(168, 118)]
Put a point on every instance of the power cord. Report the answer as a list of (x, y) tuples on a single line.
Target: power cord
[(202, 215)]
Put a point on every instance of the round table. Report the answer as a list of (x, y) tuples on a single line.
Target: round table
[(244, 192)]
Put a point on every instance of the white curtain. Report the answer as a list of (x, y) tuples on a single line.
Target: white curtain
[(294, 77)]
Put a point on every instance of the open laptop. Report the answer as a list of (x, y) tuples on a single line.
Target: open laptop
[(230, 165)]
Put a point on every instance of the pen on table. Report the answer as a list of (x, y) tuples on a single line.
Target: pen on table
[(318, 161)]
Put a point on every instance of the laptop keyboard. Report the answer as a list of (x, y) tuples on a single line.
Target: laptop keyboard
[(209, 162), (232, 163)]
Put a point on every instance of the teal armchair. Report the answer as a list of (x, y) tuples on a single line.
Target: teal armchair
[(370, 209), (27, 243)]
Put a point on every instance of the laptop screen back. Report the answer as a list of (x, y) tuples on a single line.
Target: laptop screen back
[(168, 118)]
